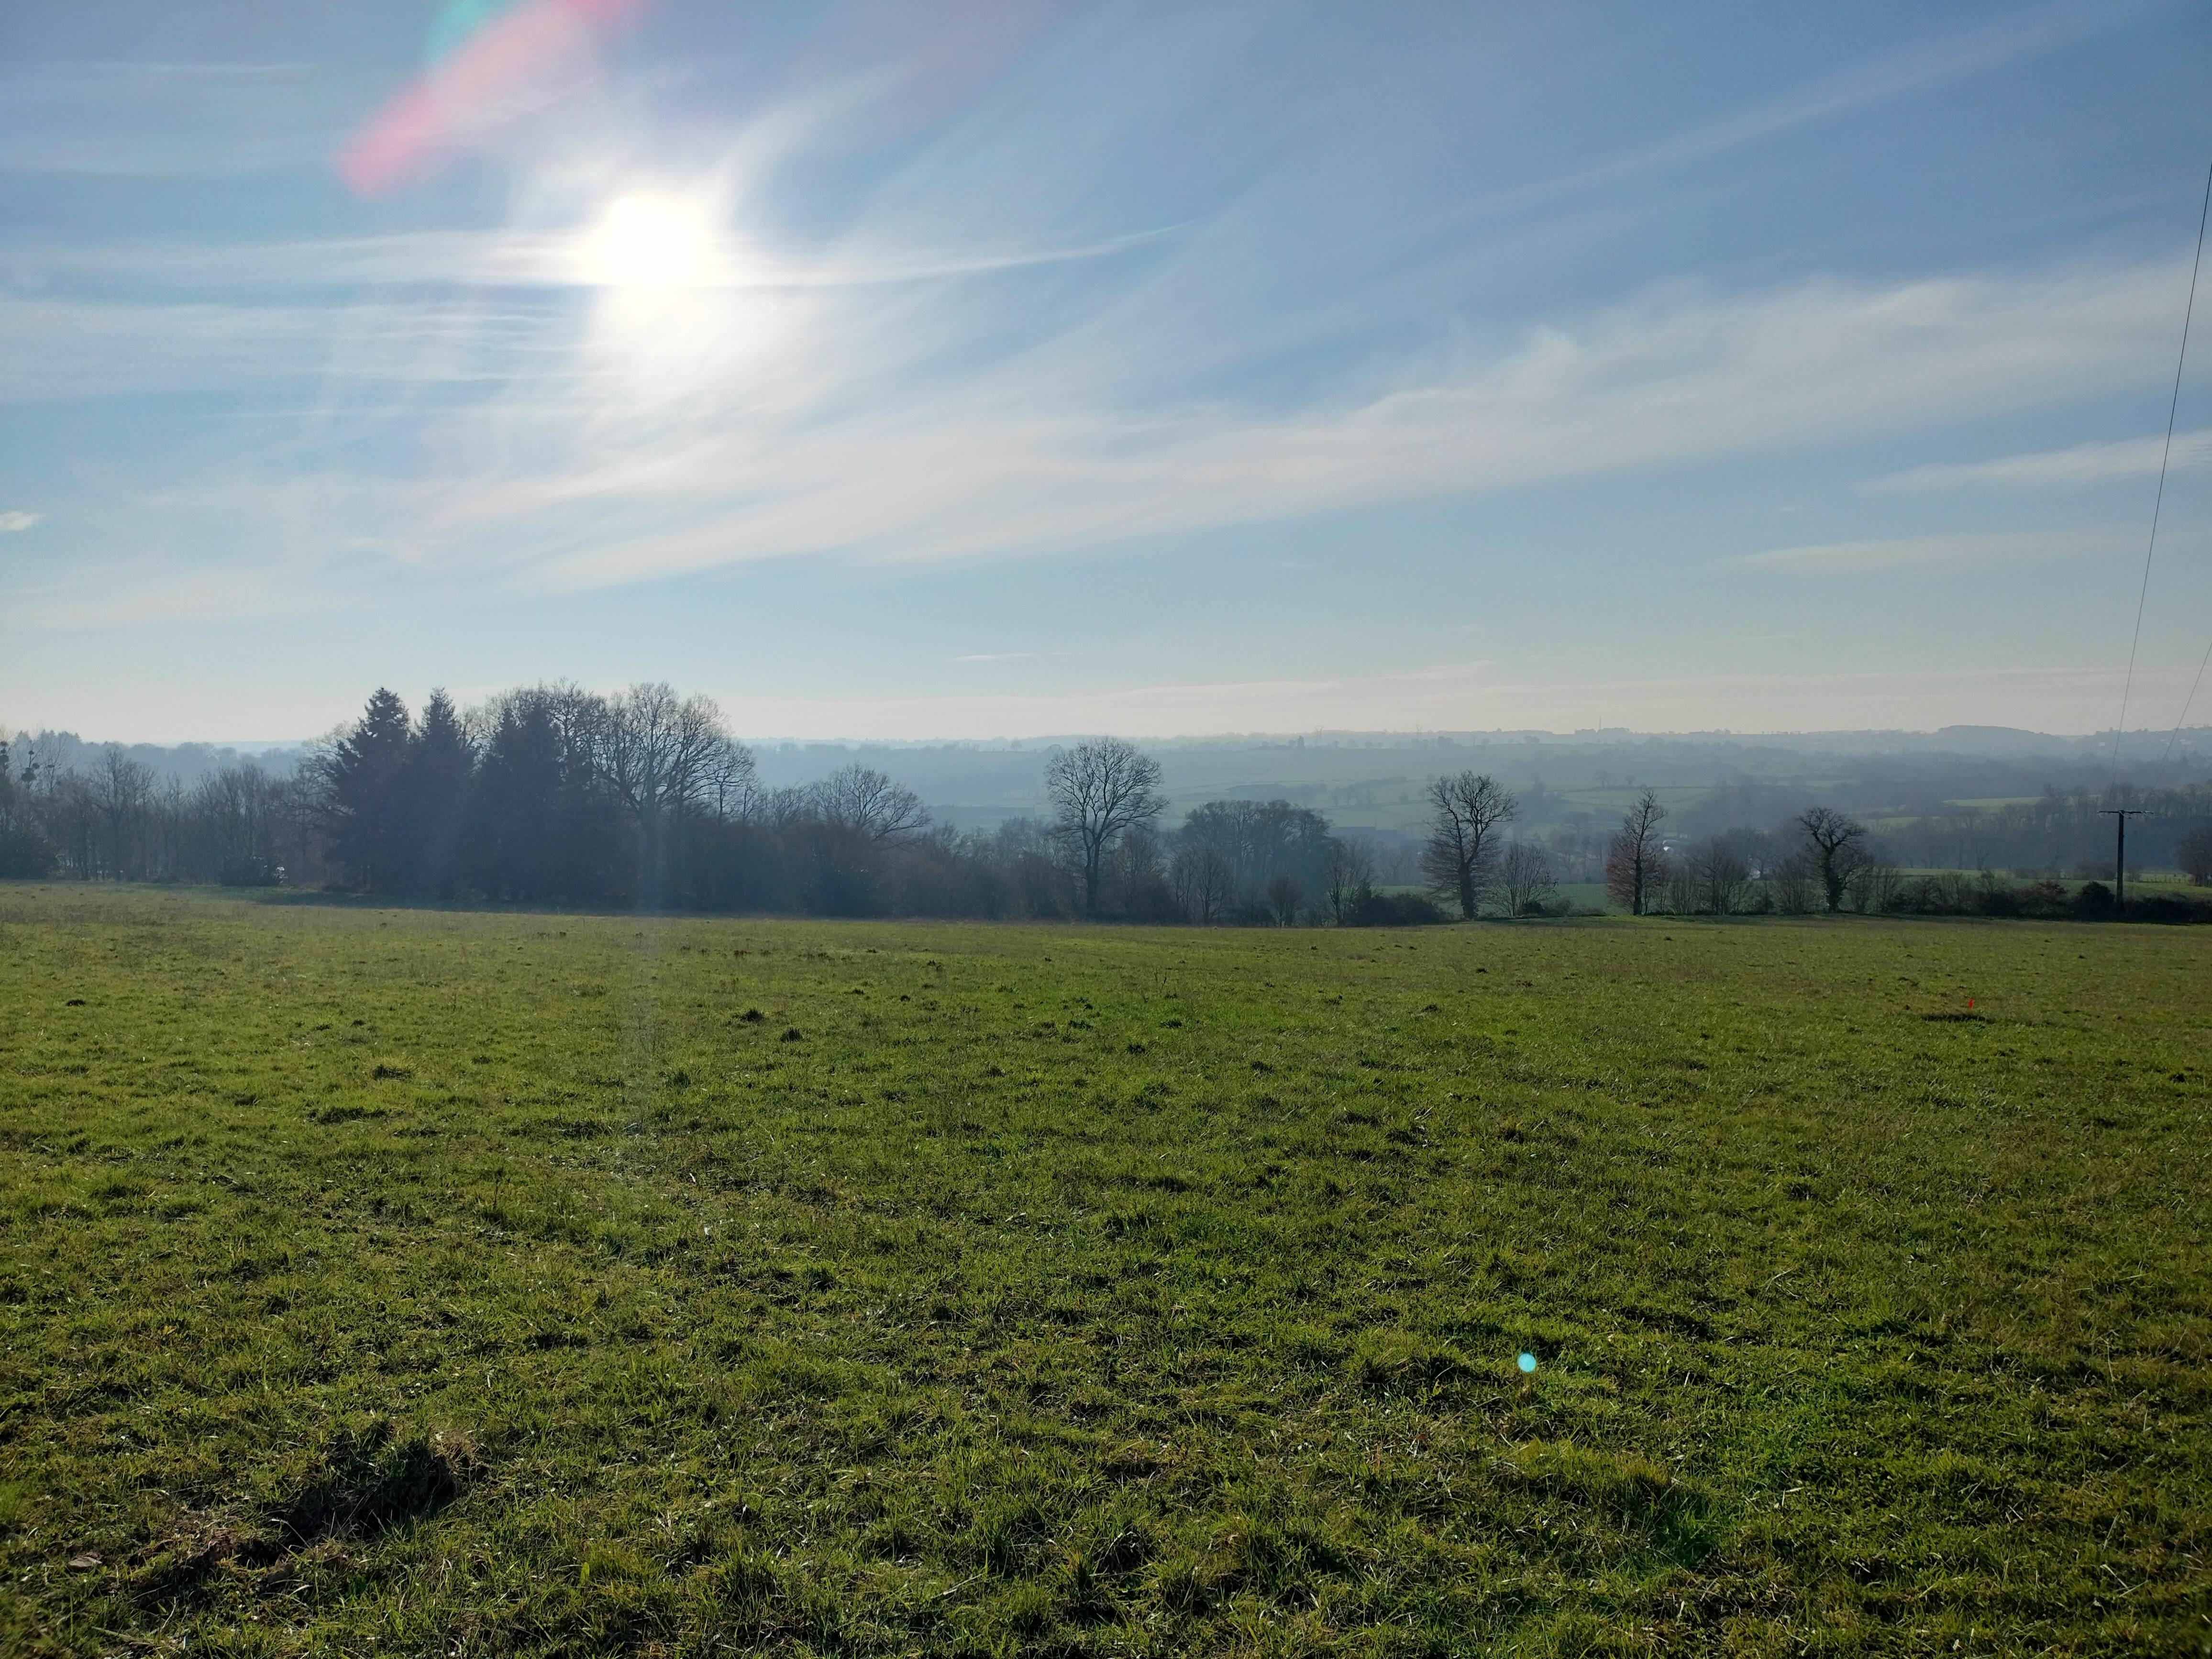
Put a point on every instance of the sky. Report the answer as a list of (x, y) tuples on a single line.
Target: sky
[(1019, 369)]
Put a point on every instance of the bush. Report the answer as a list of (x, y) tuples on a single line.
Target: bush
[(24, 855), (1391, 910)]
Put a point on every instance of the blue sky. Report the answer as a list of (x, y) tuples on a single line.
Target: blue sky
[(1162, 369)]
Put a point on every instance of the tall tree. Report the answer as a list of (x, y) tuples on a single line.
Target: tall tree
[(543, 819), (1527, 877), (1350, 872), (1635, 861), (861, 798), (1834, 841), (2193, 856), (365, 778), (658, 753), (1100, 791), (440, 768), (1465, 813)]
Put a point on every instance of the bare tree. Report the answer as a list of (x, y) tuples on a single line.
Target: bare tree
[(1285, 896), (1722, 874), (2193, 856), (1635, 862), (861, 798), (780, 809), (732, 783), (1526, 874), (1792, 881), (123, 788), (1350, 871), (1101, 790), (1466, 812), (1834, 840), (1202, 881), (1876, 885), (660, 752)]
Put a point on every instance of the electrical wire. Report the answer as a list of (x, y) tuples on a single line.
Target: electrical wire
[(2172, 409), (2172, 737)]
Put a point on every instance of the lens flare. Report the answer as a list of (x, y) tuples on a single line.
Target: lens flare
[(516, 63), (1528, 1364)]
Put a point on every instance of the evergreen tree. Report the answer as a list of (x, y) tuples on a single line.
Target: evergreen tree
[(517, 814), (441, 767), (366, 777)]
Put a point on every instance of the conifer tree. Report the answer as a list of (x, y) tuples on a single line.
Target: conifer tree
[(442, 766), (366, 779)]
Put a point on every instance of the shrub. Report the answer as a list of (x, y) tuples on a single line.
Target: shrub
[(24, 855), (1391, 910)]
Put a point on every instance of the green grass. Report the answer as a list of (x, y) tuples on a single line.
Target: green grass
[(408, 1281)]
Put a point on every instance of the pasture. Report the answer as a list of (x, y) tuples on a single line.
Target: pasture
[(417, 1281)]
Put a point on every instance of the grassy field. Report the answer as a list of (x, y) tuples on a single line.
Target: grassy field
[(388, 1281)]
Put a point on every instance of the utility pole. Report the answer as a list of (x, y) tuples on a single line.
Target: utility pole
[(2120, 815)]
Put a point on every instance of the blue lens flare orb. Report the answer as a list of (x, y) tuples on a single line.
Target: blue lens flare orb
[(1528, 1364)]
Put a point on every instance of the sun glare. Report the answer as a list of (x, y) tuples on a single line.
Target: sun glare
[(649, 241)]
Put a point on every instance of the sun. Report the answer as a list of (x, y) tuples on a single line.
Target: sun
[(648, 240)]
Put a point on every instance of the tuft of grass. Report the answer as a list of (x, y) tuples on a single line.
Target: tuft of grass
[(1096, 1291)]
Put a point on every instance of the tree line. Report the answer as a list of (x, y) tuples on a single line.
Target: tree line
[(552, 794)]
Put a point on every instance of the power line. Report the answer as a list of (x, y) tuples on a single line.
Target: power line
[(2174, 736), (2173, 408)]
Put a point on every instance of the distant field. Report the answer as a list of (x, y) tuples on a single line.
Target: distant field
[(405, 1281)]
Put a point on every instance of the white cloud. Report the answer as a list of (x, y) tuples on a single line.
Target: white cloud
[(2130, 458), (583, 447), (1029, 457), (1970, 548), (13, 521)]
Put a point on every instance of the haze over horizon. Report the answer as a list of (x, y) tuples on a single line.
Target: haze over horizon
[(1162, 370)]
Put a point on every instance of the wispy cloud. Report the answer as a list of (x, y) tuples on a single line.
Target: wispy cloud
[(581, 447), (16, 521), (173, 120), (1028, 458), (1971, 548), (1920, 68), (2095, 463)]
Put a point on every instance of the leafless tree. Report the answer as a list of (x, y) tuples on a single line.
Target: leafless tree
[(1875, 885), (1833, 838), (732, 783), (1285, 896), (1526, 876), (2193, 856), (1100, 791), (779, 809), (1721, 873), (1202, 881), (1635, 862), (122, 789), (1465, 813), (1351, 871), (861, 798), (658, 752), (1792, 881), (661, 750)]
